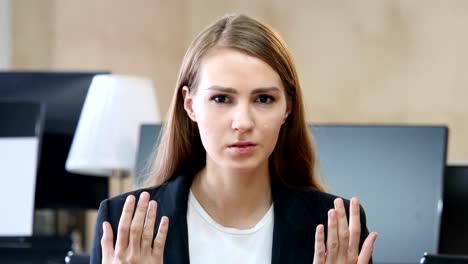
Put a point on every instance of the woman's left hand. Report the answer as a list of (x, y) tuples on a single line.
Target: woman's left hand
[(342, 240)]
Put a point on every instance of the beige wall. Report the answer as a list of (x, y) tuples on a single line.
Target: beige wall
[(384, 62), (365, 61), (31, 34), (5, 34), (362, 62)]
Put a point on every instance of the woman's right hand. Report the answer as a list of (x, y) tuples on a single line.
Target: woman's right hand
[(135, 234)]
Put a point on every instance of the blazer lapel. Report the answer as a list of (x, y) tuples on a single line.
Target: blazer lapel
[(294, 227), (173, 204)]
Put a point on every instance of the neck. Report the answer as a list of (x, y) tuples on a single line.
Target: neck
[(233, 198)]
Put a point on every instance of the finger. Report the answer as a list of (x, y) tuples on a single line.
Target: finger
[(367, 249), (343, 231), (124, 225), (160, 240), (148, 229), (332, 239), (107, 241), (136, 228), (354, 227), (319, 253)]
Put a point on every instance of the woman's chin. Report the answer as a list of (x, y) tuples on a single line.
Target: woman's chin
[(243, 166)]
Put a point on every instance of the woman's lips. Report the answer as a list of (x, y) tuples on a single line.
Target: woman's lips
[(243, 147)]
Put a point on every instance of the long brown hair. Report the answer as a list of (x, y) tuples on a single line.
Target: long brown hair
[(293, 160)]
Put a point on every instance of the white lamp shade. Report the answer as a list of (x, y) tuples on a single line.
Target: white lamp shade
[(107, 133)]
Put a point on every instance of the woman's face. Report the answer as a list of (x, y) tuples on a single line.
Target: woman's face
[(239, 106)]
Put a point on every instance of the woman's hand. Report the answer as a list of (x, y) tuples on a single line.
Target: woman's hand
[(343, 241), (135, 234)]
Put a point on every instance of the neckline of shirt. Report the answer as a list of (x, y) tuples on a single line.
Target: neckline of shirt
[(266, 219)]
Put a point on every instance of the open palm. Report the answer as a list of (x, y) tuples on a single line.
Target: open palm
[(135, 234)]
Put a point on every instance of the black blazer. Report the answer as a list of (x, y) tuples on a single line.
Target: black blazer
[(296, 216)]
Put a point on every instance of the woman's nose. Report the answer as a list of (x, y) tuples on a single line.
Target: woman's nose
[(242, 119)]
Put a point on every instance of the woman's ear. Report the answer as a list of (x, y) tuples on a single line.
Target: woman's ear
[(286, 114), (188, 103)]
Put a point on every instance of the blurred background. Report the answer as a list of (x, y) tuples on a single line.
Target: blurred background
[(364, 62), (385, 61)]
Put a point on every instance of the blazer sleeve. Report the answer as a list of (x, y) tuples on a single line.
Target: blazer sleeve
[(364, 230), (96, 250)]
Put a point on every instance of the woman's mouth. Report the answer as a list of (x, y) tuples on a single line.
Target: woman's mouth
[(243, 147)]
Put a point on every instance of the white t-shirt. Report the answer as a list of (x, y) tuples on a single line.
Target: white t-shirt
[(210, 242)]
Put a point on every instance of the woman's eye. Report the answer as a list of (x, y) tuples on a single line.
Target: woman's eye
[(220, 99), (265, 99)]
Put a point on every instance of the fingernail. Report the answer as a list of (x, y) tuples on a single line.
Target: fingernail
[(164, 221), (103, 227), (144, 194), (338, 203), (319, 228)]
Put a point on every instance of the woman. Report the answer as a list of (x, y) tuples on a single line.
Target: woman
[(234, 172)]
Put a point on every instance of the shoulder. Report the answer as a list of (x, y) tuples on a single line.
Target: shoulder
[(171, 197), (320, 202), (313, 197), (111, 208), (317, 200), (119, 200)]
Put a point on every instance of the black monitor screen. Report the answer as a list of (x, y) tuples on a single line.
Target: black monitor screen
[(64, 94), (454, 229)]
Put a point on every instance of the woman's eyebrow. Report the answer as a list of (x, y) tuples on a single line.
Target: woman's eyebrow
[(234, 91), (222, 89), (266, 90)]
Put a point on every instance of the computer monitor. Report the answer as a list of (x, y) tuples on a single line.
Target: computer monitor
[(147, 142), (397, 173), (20, 140), (63, 93), (454, 229)]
